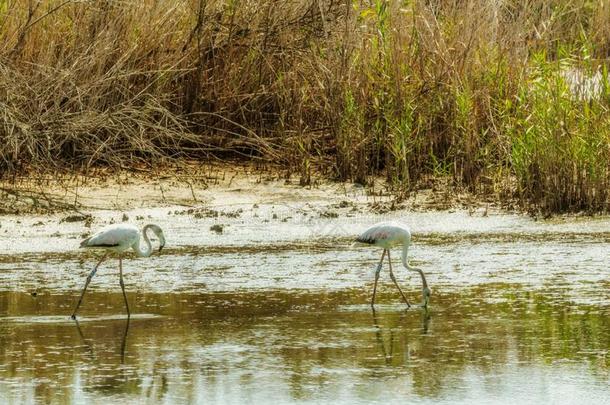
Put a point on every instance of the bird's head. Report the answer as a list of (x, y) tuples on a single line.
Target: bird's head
[(159, 232), (426, 292)]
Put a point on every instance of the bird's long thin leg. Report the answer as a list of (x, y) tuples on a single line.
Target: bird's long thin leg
[(89, 277), (377, 277), (396, 283), (123, 286)]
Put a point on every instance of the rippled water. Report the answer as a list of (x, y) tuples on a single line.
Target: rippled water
[(520, 313)]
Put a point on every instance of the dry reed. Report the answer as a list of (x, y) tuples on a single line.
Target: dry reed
[(469, 90)]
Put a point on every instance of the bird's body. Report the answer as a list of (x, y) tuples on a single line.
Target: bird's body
[(386, 235), (118, 238)]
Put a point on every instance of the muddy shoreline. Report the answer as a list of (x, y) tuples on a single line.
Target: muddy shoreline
[(224, 206), (195, 186)]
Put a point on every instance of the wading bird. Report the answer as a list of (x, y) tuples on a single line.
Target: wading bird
[(118, 238), (386, 235)]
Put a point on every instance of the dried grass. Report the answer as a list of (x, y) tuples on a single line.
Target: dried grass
[(411, 89)]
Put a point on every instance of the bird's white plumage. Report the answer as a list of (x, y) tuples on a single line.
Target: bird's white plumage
[(116, 237), (386, 234)]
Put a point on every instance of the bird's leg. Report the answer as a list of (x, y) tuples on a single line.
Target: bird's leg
[(396, 283), (89, 277), (123, 286), (377, 277)]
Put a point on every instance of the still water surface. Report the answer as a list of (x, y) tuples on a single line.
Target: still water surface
[(515, 318)]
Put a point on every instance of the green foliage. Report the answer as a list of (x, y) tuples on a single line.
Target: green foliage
[(560, 139)]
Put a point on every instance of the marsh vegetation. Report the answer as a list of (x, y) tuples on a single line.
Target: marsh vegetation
[(503, 97)]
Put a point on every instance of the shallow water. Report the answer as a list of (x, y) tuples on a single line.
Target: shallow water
[(520, 313)]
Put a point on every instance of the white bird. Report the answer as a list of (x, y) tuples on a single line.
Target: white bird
[(386, 235), (118, 238)]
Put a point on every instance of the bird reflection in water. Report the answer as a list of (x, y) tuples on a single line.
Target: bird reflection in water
[(103, 369), (89, 346), (410, 346)]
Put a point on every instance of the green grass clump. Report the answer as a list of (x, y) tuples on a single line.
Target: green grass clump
[(561, 139)]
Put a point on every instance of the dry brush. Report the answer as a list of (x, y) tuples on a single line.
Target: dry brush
[(481, 92)]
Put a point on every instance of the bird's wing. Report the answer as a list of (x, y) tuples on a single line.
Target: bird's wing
[(383, 231), (372, 234), (111, 236)]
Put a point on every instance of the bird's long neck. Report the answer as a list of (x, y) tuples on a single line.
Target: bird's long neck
[(136, 246), (405, 262)]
